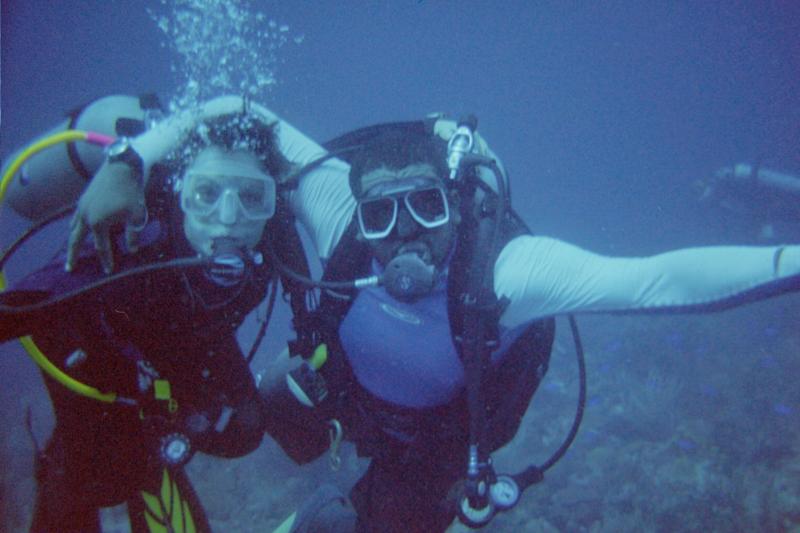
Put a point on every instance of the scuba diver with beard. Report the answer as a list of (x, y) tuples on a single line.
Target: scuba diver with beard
[(163, 340), (432, 369), (435, 322)]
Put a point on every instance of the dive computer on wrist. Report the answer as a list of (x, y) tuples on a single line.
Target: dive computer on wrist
[(122, 151)]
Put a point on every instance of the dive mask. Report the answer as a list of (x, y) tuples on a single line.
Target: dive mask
[(423, 197), (208, 194)]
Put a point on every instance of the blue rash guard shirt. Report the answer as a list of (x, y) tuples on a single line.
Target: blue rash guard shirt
[(402, 352)]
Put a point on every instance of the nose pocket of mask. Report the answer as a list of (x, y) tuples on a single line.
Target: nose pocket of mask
[(228, 207), (228, 197)]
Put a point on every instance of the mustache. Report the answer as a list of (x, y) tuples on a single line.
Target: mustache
[(421, 248)]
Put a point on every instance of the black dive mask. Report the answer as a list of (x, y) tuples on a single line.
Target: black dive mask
[(229, 263), (408, 277)]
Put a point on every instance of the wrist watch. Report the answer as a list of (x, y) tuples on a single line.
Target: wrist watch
[(122, 151)]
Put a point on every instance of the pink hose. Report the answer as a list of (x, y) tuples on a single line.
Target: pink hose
[(99, 138)]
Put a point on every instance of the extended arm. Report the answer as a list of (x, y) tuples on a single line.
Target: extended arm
[(545, 277)]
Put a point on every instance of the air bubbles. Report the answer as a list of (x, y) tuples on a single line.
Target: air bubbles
[(220, 46)]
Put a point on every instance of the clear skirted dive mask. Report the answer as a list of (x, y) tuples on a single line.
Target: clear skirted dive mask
[(240, 204), (224, 184), (227, 196)]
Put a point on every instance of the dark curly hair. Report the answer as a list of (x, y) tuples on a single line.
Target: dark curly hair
[(396, 150), (236, 131)]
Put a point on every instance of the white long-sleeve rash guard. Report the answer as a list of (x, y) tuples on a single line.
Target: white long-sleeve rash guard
[(542, 276)]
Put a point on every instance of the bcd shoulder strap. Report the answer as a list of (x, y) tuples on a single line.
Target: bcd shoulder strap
[(283, 238), (506, 390), (343, 143)]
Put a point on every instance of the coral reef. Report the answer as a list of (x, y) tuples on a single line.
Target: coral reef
[(691, 424)]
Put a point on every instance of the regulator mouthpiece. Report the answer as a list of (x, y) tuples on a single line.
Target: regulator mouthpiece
[(408, 277), (228, 266)]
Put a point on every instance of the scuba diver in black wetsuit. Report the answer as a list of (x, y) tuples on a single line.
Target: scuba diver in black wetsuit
[(159, 343)]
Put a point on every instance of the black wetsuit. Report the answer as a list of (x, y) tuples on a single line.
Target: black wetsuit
[(175, 324)]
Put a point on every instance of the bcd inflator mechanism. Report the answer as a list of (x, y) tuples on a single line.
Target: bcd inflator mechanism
[(305, 382), (461, 143), (408, 276), (159, 414), (227, 266), (175, 449)]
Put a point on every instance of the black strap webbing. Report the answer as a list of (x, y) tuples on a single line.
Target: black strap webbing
[(72, 150)]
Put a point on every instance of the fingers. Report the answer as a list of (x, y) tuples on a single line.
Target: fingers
[(136, 223), (481, 146), (77, 232), (102, 244), (222, 105), (132, 238), (266, 115), (79, 228), (445, 128)]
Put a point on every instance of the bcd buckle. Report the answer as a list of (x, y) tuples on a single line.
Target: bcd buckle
[(335, 433)]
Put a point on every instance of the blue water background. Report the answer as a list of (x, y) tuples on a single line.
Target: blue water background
[(603, 113)]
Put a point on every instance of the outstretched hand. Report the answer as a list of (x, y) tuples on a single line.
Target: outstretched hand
[(112, 197)]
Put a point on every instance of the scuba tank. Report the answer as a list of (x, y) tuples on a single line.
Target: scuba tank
[(55, 177)]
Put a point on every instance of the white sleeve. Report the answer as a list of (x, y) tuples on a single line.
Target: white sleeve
[(322, 201), (296, 146), (324, 205), (543, 277)]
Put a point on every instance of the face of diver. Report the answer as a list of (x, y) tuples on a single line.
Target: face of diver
[(225, 195), (408, 210)]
